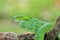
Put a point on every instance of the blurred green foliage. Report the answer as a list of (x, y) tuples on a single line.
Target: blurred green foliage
[(35, 8)]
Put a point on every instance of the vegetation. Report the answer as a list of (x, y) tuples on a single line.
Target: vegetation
[(38, 10)]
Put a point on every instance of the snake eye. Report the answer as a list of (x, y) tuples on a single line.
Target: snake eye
[(18, 18)]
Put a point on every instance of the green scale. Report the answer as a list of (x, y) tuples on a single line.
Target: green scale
[(35, 25)]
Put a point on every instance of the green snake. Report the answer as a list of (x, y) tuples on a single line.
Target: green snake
[(35, 25)]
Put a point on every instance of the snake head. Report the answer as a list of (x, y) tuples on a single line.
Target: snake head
[(21, 17), (29, 23)]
